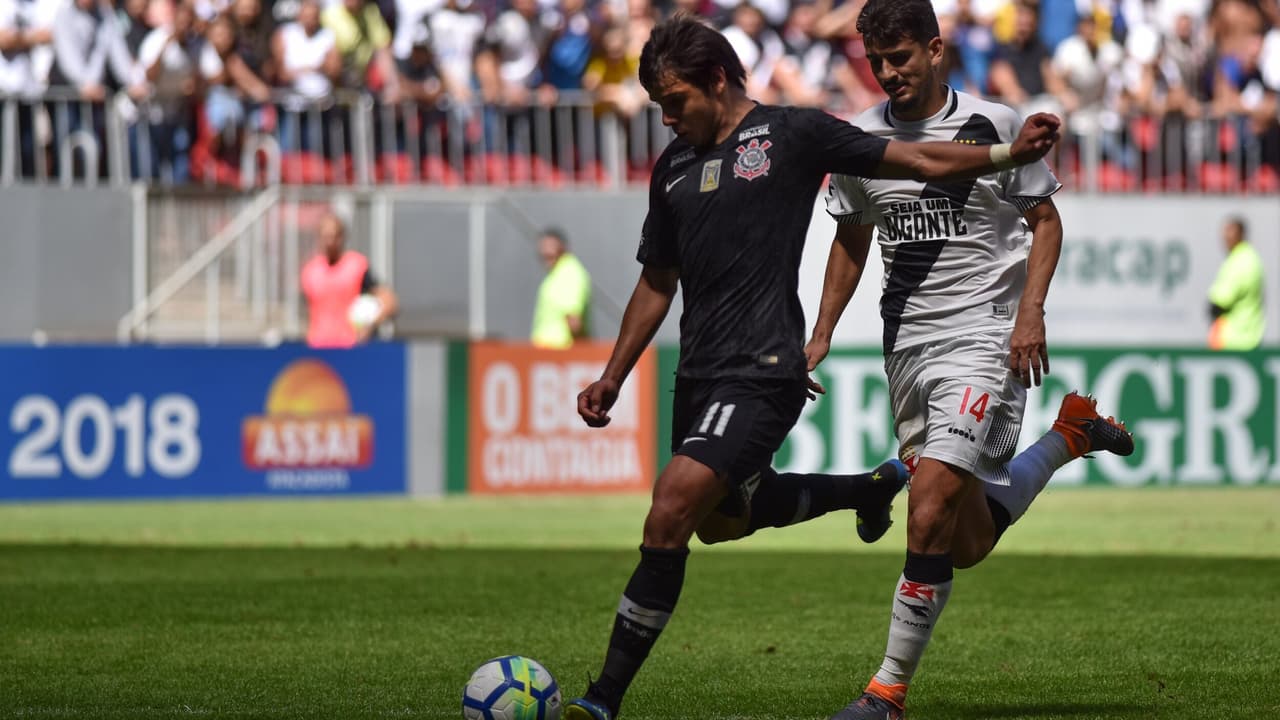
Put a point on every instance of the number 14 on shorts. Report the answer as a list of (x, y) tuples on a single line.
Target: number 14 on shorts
[(978, 408)]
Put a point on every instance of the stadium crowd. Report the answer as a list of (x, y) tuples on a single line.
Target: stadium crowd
[(192, 79)]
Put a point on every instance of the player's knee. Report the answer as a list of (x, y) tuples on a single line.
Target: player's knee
[(669, 524), (718, 528)]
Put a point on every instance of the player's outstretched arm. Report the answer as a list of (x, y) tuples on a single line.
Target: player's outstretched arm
[(1028, 349), (645, 311), (935, 161), (845, 263)]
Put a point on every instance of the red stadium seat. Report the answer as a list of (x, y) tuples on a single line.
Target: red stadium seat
[(306, 168)]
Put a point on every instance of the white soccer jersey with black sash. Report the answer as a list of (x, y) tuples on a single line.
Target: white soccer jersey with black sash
[(954, 252)]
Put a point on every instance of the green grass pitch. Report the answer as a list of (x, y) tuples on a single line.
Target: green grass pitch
[(1137, 605)]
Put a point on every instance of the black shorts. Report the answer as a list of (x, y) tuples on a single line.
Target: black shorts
[(734, 425)]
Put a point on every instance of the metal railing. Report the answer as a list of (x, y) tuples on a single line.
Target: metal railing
[(350, 140)]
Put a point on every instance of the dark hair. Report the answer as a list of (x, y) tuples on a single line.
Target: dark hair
[(556, 233), (1240, 224), (691, 50), (887, 22)]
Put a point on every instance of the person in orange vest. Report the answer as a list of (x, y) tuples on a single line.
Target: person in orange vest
[(332, 281)]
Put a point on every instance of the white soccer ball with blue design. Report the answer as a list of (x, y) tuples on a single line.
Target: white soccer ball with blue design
[(511, 688)]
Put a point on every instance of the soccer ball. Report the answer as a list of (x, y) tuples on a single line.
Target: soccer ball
[(511, 688), (363, 311)]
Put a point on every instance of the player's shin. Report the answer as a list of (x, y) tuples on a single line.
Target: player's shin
[(1029, 473), (645, 607), (790, 498), (921, 593)]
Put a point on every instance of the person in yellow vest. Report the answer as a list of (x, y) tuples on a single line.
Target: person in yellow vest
[(1235, 299), (564, 297), (332, 280)]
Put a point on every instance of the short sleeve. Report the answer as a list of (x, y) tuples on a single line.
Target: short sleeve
[(151, 47), (210, 63), (658, 237), (1026, 186), (846, 200), (832, 145)]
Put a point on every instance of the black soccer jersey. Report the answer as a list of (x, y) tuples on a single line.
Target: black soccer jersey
[(733, 219)]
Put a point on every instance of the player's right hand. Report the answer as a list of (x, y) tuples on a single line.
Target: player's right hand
[(1037, 137), (814, 352), (595, 401)]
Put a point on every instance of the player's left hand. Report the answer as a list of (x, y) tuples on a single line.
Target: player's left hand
[(1037, 137), (1028, 353)]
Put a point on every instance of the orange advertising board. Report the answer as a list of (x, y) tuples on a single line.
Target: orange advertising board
[(524, 432)]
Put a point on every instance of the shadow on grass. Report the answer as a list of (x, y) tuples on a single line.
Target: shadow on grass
[(1028, 711)]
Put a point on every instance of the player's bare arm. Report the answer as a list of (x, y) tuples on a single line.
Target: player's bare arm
[(1028, 351), (935, 161), (645, 311), (845, 262)]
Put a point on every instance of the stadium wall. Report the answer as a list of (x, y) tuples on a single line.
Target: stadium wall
[(67, 271)]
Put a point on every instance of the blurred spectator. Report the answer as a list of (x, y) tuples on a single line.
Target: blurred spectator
[(967, 33), (234, 93), (509, 68), (133, 18), (1057, 21), (308, 65), (364, 42), (420, 76), (759, 48), (1186, 55), (569, 47), (16, 80), (611, 77), (773, 12), (255, 36), (1082, 69), (1020, 74), (38, 18), (1236, 297), (812, 71), (169, 57), (332, 280), (560, 316), (456, 30), (641, 17), (306, 55), (88, 44)]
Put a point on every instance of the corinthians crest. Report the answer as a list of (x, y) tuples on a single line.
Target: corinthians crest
[(752, 160)]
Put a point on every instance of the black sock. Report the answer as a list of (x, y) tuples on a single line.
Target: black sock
[(790, 498), (999, 517), (643, 611)]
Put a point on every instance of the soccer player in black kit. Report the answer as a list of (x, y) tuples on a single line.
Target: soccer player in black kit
[(730, 202)]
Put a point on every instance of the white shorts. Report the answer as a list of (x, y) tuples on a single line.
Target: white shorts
[(957, 402)]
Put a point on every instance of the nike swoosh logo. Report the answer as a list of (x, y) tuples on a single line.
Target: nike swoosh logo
[(693, 439), (673, 182)]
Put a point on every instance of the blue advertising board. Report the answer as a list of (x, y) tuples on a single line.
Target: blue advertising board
[(115, 422)]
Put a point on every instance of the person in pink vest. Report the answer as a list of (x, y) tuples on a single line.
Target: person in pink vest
[(332, 280)]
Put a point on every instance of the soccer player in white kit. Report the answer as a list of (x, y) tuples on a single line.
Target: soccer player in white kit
[(964, 336)]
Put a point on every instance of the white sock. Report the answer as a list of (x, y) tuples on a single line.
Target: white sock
[(1029, 472), (916, 607)]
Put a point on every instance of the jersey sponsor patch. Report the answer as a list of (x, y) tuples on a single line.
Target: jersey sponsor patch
[(710, 176), (681, 158), (753, 160), (751, 132)]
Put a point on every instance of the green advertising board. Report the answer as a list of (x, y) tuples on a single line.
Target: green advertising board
[(1198, 418)]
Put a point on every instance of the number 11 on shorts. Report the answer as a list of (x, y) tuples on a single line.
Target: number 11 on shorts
[(979, 407)]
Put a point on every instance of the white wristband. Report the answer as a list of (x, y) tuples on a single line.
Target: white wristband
[(1002, 156)]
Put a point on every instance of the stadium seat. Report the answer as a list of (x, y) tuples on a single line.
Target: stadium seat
[(306, 168)]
